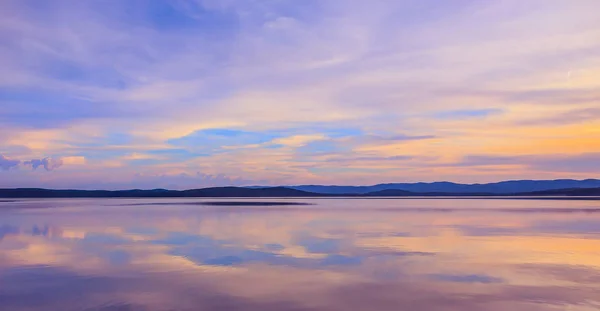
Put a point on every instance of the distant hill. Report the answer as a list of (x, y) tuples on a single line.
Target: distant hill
[(403, 193), (157, 193), (566, 192), (504, 187), (275, 192)]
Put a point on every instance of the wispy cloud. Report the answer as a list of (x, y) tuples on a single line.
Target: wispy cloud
[(574, 116), (586, 162), (267, 87), (468, 113)]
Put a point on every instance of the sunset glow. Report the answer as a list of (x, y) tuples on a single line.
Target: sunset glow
[(184, 94)]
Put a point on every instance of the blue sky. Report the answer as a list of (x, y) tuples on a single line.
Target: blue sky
[(195, 93)]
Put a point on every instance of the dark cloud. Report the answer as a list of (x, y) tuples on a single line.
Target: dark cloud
[(48, 163), (6, 163)]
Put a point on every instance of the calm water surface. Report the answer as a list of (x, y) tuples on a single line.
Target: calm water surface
[(337, 254)]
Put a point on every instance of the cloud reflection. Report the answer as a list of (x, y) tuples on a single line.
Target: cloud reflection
[(180, 257)]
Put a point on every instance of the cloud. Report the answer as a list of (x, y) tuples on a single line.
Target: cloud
[(216, 139), (484, 160), (323, 147), (468, 113), (574, 116), (73, 160), (401, 137), (48, 163), (533, 96), (298, 140), (227, 84), (6, 163), (586, 162), (557, 96), (470, 278), (370, 159), (236, 290)]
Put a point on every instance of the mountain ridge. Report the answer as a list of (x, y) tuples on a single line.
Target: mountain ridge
[(274, 192), (156, 193), (502, 187)]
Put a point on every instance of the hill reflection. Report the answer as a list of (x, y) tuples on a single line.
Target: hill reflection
[(83, 255)]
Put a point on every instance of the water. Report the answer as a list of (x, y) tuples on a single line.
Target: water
[(337, 254)]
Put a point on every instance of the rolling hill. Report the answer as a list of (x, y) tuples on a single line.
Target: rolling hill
[(157, 193), (275, 192), (503, 187)]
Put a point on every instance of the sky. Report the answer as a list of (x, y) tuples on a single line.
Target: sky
[(174, 94)]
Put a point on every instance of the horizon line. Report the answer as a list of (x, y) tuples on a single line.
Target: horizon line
[(317, 185)]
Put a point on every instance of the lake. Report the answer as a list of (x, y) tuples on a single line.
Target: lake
[(330, 254)]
